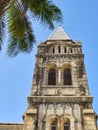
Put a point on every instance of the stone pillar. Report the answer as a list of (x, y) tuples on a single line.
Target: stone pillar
[(67, 50), (62, 77), (59, 76), (45, 76), (30, 119), (58, 125), (44, 125)]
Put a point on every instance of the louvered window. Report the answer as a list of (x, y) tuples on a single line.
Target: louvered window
[(66, 126), (67, 77), (52, 77), (53, 126)]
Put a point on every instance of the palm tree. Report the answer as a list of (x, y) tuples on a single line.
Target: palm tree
[(16, 14)]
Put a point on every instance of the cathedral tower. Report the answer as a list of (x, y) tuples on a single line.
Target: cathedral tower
[(59, 98)]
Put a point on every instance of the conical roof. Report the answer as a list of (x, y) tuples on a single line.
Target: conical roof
[(59, 34)]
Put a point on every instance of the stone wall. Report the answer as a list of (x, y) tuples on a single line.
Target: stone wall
[(11, 126), (60, 112)]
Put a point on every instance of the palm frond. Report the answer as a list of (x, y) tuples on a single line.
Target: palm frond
[(2, 30), (4, 6), (24, 46), (46, 12), (21, 33)]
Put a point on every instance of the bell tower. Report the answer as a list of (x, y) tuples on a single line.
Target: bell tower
[(59, 98)]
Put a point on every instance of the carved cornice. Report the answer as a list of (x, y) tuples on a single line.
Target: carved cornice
[(60, 55), (59, 99)]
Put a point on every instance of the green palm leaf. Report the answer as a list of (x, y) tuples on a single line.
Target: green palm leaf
[(2, 30), (4, 6), (21, 34), (45, 11)]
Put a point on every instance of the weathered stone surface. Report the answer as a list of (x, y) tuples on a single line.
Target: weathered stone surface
[(68, 91), (11, 126)]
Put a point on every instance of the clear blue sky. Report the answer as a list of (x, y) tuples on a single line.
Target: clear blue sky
[(80, 21)]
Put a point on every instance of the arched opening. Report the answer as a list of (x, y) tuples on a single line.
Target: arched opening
[(53, 50), (52, 77), (65, 49), (66, 126), (53, 126), (59, 49), (71, 50), (67, 76)]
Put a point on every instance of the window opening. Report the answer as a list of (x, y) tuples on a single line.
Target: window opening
[(59, 49), (52, 77), (67, 77), (53, 50), (66, 126), (71, 50), (65, 49), (53, 126)]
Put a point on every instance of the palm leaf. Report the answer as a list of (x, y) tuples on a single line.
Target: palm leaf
[(21, 34), (4, 6), (46, 12), (2, 30)]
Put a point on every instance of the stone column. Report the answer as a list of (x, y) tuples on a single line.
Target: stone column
[(43, 125), (30, 119), (62, 77), (58, 125), (45, 76), (59, 76), (29, 122), (67, 49)]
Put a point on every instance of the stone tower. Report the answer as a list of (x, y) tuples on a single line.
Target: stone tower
[(60, 98)]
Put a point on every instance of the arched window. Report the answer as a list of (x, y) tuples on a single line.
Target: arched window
[(70, 50), (53, 50), (52, 77), (66, 126), (59, 49), (67, 77), (53, 126), (65, 49)]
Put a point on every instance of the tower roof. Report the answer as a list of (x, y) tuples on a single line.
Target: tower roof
[(59, 34)]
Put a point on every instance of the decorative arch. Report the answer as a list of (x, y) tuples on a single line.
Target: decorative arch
[(66, 124), (66, 65), (60, 122), (51, 65), (51, 122), (67, 118), (54, 124)]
